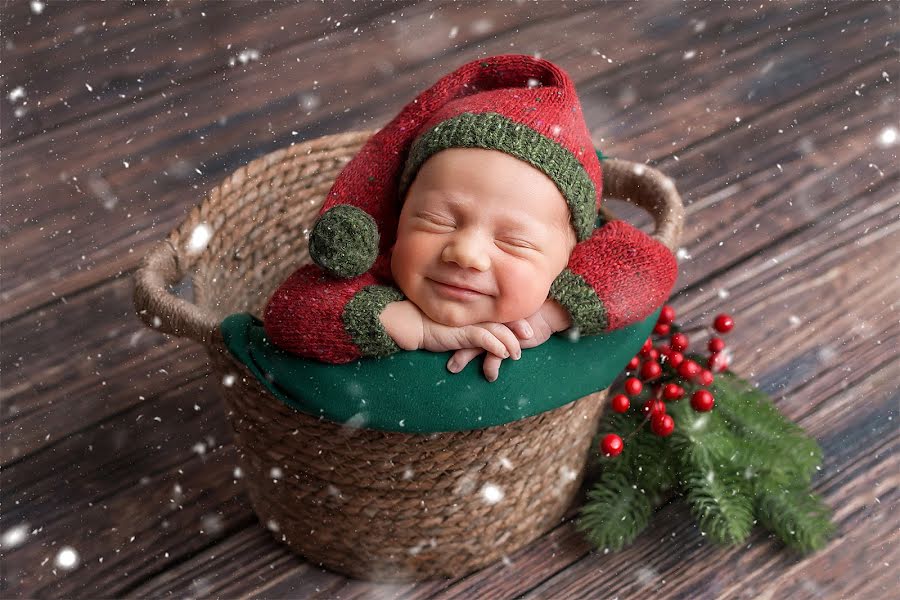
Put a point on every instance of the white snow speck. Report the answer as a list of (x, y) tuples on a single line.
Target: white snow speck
[(88, 86), (37, 7), (199, 448), (407, 474), (67, 558), (156, 321), (272, 525), (567, 473), (125, 162), (682, 254), (453, 32), (639, 170), (491, 493), (690, 54), (16, 94), (276, 473), (482, 26), (555, 129), (244, 57), (887, 137), (238, 473), (14, 536), (723, 293), (228, 380), (794, 320), (212, 524), (200, 237), (533, 83), (505, 462), (309, 101)]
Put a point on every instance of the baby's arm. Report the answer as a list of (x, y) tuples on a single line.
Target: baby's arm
[(315, 315), (617, 277), (328, 319)]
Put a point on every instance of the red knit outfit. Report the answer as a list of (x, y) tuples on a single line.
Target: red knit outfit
[(527, 107)]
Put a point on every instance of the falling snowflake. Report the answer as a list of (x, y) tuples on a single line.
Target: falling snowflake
[(67, 558), (887, 137), (14, 536), (228, 380), (491, 493), (16, 94), (200, 237), (37, 7)]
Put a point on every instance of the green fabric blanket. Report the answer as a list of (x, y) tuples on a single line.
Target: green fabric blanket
[(413, 392)]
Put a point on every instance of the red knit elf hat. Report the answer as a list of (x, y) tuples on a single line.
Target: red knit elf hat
[(518, 104)]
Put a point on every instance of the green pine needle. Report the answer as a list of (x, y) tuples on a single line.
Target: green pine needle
[(616, 512), (719, 500), (799, 517)]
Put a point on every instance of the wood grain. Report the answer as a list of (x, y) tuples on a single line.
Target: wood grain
[(792, 227)]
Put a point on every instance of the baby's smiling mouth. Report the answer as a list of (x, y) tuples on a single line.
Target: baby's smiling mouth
[(456, 289)]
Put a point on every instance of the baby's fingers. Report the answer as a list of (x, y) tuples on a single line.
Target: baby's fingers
[(521, 328), (461, 358), (480, 337), (492, 367), (509, 339)]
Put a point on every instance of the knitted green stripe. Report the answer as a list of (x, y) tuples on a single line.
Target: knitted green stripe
[(494, 131), (587, 310), (361, 320)]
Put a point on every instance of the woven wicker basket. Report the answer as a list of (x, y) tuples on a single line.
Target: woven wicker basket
[(367, 503)]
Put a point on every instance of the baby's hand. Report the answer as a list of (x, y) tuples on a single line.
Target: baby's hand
[(532, 331), (495, 338)]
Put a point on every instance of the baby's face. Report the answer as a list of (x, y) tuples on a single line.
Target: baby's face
[(484, 220)]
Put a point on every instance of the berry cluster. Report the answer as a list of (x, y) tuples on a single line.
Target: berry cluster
[(671, 375)]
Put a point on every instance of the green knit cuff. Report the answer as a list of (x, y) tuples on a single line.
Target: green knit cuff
[(579, 298), (361, 320)]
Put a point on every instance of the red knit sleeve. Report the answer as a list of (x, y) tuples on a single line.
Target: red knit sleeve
[(332, 320), (617, 277)]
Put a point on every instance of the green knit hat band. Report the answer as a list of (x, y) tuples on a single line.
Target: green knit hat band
[(493, 131)]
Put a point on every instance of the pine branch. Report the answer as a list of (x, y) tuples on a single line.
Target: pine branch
[(615, 513), (799, 517), (721, 502)]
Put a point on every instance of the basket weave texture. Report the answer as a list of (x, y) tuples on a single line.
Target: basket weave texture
[(370, 504)]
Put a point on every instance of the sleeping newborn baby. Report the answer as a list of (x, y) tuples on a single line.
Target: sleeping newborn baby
[(467, 224)]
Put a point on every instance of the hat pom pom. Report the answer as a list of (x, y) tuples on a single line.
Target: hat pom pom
[(344, 241)]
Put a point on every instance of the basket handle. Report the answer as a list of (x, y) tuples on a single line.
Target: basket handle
[(158, 308), (649, 189)]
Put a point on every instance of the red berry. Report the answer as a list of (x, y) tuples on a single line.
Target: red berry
[(679, 342), (723, 323), (706, 377), (689, 369), (621, 403), (650, 370), (672, 391), (648, 343), (717, 362), (666, 315), (676, 358), (716, 344), (662, 425), (633, 386), (662, 329), (634, 363), (654, 407), (653, 354), (612, 445), (702, 401)]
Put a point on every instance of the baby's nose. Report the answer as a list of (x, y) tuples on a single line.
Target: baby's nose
[(468, 252)]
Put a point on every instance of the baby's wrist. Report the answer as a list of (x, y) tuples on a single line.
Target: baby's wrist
[(556, 315), (402, 320)]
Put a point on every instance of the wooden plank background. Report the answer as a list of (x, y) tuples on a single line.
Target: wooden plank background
[(778, 122)]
